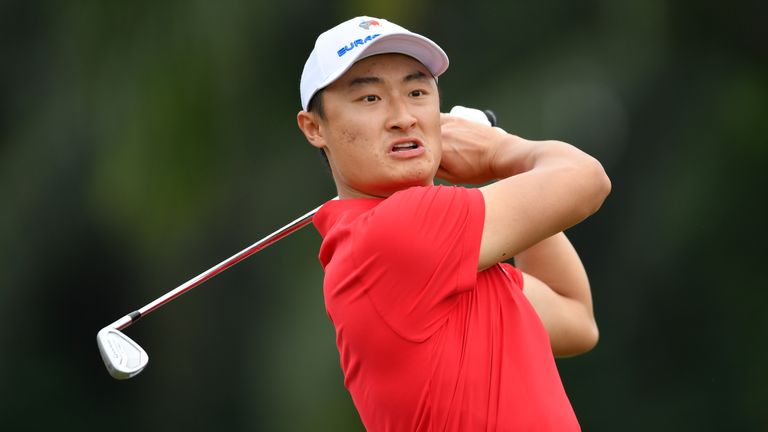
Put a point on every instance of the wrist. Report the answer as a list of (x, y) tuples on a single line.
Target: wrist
[(510, 155)]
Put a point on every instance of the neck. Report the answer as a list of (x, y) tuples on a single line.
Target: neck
[(347, 192)]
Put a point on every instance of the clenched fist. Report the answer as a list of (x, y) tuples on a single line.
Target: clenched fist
[(469, 150)]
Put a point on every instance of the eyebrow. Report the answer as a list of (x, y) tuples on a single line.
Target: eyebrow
[(418, 75), (359, 81), (364, 80)]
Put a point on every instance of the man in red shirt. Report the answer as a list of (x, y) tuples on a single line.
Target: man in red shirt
[(434, 331)]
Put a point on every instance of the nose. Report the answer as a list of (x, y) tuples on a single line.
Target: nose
[(400, 117)]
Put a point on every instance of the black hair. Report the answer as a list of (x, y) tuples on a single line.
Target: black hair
[(315, 104)]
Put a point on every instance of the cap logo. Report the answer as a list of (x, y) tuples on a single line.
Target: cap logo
[(356, 43), (367, 24)]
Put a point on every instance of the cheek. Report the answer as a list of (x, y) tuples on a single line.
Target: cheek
[(347, 144), (347, 137)]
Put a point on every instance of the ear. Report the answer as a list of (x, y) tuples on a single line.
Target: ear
[(309, 123)]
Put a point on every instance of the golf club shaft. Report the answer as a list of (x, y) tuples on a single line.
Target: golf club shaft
[(283, 232)]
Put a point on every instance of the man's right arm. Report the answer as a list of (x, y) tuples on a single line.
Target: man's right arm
[(543, 187)]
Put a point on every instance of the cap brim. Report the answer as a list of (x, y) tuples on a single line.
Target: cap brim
[(410, 44)]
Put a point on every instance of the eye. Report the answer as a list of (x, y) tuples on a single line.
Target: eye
[(370, 98), (417, 93)]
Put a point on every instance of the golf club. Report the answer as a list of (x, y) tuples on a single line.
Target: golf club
[(124, 358)]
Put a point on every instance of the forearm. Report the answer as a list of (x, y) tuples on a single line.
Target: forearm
[(549, 187), (555, 262), (556, 285), (570, 184), (514, 155)]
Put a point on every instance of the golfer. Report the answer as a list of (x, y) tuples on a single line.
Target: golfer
[(435, 331)]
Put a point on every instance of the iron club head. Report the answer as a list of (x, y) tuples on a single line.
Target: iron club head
[(123, 357)]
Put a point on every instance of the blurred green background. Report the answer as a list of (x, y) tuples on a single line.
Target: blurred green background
[(142, 142)]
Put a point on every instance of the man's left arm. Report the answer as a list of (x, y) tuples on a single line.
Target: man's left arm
[(556, 284)]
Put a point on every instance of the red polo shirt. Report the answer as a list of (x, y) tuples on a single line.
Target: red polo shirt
[(426, 342)]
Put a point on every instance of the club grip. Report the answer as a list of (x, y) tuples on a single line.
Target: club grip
[(491, 117), (487, 117)]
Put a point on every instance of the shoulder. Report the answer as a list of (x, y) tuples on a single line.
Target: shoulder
[(412, 221), (342, 212), (424, 217)]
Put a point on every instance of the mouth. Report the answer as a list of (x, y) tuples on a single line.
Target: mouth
[(406, 147)]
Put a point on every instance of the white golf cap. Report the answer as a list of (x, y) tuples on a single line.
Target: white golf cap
[(337, 49)]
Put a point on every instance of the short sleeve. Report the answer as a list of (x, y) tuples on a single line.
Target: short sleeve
[(419, 250)]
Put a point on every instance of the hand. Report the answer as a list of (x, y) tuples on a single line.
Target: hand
[(468, 150)]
